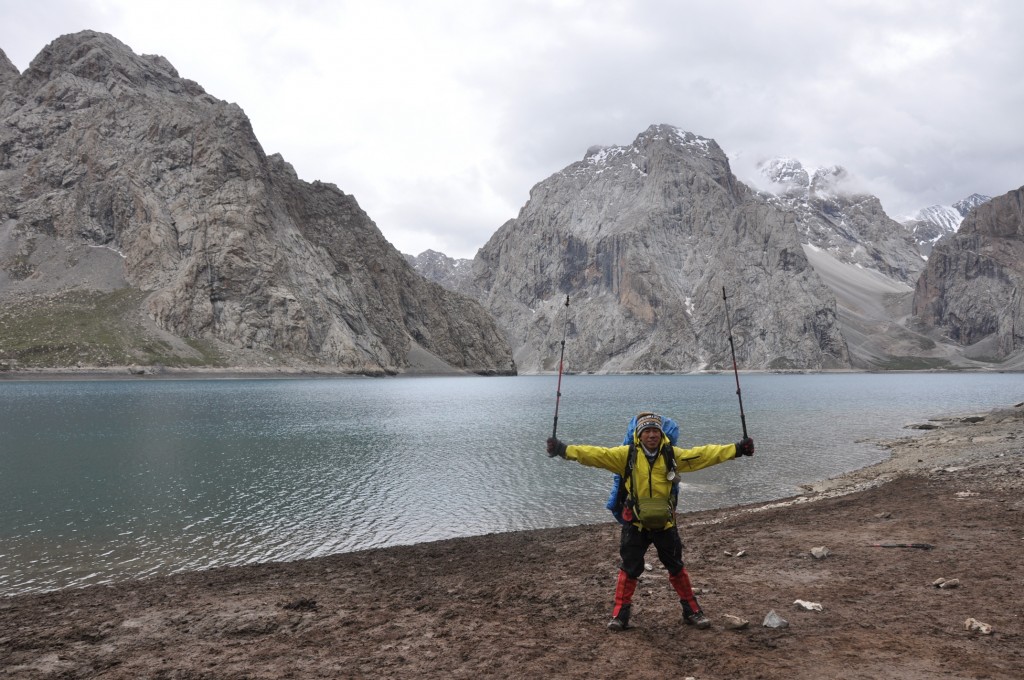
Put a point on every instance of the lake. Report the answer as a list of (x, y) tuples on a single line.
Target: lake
[(107, 480)]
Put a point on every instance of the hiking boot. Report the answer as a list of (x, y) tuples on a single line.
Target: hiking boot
[(621, 619), (697, 619), (617, 624)]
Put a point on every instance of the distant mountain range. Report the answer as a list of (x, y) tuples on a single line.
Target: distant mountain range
[(795, 184), (932, 223), (791, 182), (868, 262), (142, 224)]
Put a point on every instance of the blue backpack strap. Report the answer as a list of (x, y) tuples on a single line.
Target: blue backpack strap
[(617, 498)]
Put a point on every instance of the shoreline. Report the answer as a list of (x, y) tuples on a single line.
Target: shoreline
[(135, 373), (949, 444), (125, 373), (534, 603)]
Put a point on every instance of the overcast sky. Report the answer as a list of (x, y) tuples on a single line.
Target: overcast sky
[(440, 115)]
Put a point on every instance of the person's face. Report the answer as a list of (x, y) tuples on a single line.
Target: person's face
[(650, 438)]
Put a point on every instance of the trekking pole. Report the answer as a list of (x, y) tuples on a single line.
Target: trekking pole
[(558, 390), (735, 370)]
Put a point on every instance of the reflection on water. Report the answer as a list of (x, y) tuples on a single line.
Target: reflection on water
[(108, 480)]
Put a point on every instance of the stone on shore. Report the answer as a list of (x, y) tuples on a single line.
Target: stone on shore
[(773, 620), (731, 622), (976, 626)]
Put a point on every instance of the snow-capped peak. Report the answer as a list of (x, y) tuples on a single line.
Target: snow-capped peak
[(946, 217), (973, 201), (788, 172)]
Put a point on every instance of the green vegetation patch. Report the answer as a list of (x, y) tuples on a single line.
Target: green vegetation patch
[(86, 328), (915, 364)]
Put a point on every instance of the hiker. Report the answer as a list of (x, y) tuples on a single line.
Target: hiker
[(649, 506), (617, 497)]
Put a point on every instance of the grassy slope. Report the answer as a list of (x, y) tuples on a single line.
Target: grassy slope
[(87, 328)]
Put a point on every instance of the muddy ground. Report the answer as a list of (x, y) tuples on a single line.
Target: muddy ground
[(535, 604)]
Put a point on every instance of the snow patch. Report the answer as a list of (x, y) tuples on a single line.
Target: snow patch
[(123, 257), (700, 144)]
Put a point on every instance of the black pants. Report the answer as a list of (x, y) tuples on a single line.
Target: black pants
[(633, 545)]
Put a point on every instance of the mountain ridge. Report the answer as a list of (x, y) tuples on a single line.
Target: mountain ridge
[(141, 222), (934, 222), (105, 150), (643, 237), (869, 262)]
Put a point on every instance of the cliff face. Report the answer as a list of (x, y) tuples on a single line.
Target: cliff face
[(105, 150), (642, 239), (971, 288)]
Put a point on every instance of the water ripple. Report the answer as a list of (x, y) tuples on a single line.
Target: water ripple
[(143, 479)]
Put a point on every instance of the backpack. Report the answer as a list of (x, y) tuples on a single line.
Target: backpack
[(617, 498)]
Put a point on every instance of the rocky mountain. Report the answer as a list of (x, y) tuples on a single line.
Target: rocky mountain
[(642, 239), (142, 222), (968, 204), (832, 214), (8, 73), (869, 261), (971, 289), (452, 273), (930, 224)]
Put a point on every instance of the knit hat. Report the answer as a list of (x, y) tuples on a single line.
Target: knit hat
[(646, 420)]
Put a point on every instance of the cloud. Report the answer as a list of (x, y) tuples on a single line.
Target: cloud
[(439, 117)]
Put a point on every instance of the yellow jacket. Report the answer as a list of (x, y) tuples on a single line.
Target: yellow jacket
[(650, 480)]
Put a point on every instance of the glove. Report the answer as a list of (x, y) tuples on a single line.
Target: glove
[(555, 448), (745, 447)]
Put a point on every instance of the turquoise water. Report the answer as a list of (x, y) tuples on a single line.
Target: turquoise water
[(109, 480)]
